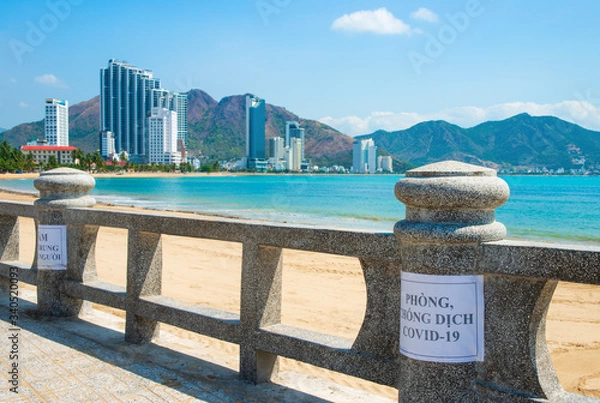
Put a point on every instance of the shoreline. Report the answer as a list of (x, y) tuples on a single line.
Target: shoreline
[(14, 176), (23, 196), (30, 196)]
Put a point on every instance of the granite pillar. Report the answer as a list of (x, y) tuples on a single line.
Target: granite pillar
[(61, 189), (449, 212)]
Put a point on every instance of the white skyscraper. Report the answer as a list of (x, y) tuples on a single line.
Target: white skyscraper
[(385, 164), (296, 147), (162, 139), (107, 144), (179, 103), (289, 159), (371, 157), (276, 149), (56, 123), (364, 156), (293, 130), (174, 101)]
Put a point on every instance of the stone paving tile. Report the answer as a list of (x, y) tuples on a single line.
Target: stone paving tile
[(52, 372), (75, 360)]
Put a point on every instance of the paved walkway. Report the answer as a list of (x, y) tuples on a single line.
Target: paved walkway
[(86, 360)]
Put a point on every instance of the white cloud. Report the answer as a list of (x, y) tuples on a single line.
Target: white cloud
[(424, 14), (583, 113), (23, 105), (379, 21), (50, 79)]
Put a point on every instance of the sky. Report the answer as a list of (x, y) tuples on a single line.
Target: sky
[(356, 65)]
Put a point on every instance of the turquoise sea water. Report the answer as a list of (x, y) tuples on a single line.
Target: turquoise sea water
[(553, 208)]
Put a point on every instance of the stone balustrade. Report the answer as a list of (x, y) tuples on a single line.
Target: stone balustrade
[(449, 233)]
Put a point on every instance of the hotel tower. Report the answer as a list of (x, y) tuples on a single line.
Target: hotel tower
[(56, 122), (127, 96)]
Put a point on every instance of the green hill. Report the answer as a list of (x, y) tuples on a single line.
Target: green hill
[(520, 141), (218, 130)]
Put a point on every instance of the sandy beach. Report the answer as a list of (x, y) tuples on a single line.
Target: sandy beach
[(326, 293)]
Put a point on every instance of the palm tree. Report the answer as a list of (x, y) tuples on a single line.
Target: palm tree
[(98, 160), (77, 156), (86, 162), (52, 162), (5, 150), (29, 163), (17, 159)]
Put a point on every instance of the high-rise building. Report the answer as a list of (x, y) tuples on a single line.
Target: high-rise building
[(255, 131), (276, 149), (125, 104), (364, 156), (296, 147), (56, 122), (107, 144), (293, 130), (358, 160), (289, 159), (162, 137), (179, 104), (385, 164), (127, 96), (160, 98), (371, 157), (174, 101)]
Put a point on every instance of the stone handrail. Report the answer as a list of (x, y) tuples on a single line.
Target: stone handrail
[(449, 230)]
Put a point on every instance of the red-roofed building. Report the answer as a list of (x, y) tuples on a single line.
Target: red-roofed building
[(42, 153)]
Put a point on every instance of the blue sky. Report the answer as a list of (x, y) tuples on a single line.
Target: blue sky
[(355, 64)]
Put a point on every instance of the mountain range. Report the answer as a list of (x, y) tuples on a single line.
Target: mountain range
[(519, 141), (2, 130), (217, 130)]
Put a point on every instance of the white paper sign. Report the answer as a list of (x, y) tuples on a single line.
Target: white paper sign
[(441, 318), (52, 247)]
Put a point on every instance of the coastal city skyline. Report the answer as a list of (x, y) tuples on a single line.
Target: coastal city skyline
[(465, 62), (142, 122)]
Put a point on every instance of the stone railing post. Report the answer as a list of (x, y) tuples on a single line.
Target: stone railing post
[(260, 307), (63, 252), (449, 212), (144, 279)]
